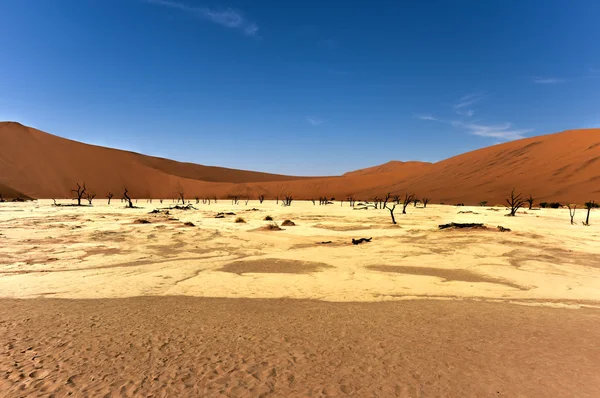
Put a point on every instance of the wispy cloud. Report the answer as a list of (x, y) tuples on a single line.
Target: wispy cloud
[(504, 131), (425, 117), (228, 18), (466, 112), (462, 106), (314, 121), (548, 80), (469, 99)]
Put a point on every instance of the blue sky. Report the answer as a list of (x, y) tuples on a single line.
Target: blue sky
[(300, 87)]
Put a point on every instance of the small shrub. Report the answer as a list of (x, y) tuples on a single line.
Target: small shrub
[(288, 223), (240, 220), (271, 227), (554, 205), (483, 203), (268, 218), (543, 205), (189, 224)]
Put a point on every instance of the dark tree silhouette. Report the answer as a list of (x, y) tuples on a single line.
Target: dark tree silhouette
[(247, 200), (589, 206), (287, 200), (386, 200), (197, 199), (261, 198), (109, 197), (80, 191), (313, 202), (391, 209), (425, 201), (483, 203), (416, 201), (234, 200), (182, 198), (407, 200), (530, 201), (572, 212), (127, 199), (351, 200), (2, 199), (515, 201), (90, 197)]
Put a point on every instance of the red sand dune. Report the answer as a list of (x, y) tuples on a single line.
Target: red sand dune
[(562, 167)]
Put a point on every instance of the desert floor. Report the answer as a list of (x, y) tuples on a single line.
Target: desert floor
[(97, 303)]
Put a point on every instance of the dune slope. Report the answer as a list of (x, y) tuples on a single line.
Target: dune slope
[(559, 167)]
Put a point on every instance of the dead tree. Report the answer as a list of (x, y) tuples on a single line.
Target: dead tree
[(277, 200), (197, 199), (387, 198), (589, 206), (530, 201), (407, 200), (234, 200), (261, 198), (425, 201), (397, 199), (515, 202), (182, 198), (287, 200), (376, 202), (572, 212), (247, 200), (80, 191), (127, 199), (416, 201), (351, 200), (391, 209), (2, 199), (313, 202), (90, 197)]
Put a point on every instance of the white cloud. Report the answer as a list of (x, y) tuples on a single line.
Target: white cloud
[(469, 99), (548, 80), (426, 117), (467, 112), (228, 18), (314, 121), (502, 131)]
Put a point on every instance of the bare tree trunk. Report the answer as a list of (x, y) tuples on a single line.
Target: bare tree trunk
[(572, 212), (80, 191), (515, 201), (127, 199)]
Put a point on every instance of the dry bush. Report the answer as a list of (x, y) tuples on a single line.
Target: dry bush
[(288, 223), (271, 227), (240, 220), (268, 218)]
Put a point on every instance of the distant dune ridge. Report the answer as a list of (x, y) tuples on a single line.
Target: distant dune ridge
[(562, 167)]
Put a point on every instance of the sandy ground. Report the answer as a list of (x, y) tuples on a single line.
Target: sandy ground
[(101, 252), (201, 347), (415, 312)]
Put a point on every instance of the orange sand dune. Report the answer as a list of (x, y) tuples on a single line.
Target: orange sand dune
[(559, 167)]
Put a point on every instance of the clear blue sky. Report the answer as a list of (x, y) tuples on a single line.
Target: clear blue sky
[(300, 87)]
